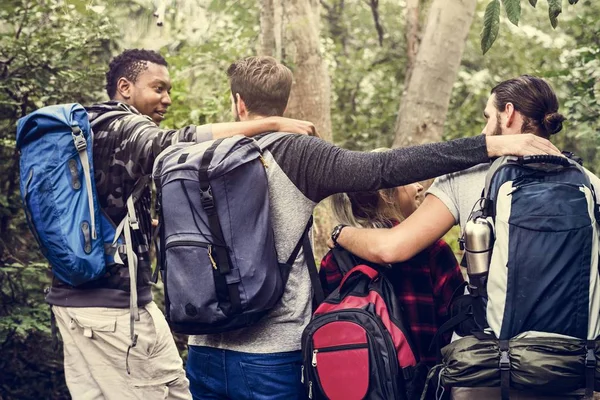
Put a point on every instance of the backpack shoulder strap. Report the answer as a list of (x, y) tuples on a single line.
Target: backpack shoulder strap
[(493, 168), (269, 139), (344, 259), (107, 116), (304, 243)]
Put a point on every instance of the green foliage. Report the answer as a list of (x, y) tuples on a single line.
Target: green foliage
[(579, 76), (513, 12), (554, 10), (198, 68), (31, 366), (367, 77), (50, 52), (569, 59), (491, 25)]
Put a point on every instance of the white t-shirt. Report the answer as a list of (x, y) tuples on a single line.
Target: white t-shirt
[(460, 191)]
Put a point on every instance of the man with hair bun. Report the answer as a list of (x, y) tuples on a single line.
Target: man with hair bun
[(526, 104), (101, 358)]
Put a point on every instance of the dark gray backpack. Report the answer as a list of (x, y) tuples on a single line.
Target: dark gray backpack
[(217, 249)]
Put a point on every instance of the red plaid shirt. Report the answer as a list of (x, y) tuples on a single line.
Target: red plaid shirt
[(424, 285)]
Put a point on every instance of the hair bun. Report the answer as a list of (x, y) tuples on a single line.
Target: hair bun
[(553, 122)]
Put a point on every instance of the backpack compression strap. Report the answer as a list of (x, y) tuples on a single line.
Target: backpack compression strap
[(81, 146), (129, 223), (228, 294)]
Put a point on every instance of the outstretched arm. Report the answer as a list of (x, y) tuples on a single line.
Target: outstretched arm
[(258, 126), (320, 169), (424, 227), (141, 140)]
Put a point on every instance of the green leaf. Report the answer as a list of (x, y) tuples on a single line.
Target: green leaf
[(513, 10), (534, 3), (555, 8), (491, 25)]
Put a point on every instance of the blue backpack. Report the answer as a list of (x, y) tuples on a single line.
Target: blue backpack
[(60, 200), (59, 193)]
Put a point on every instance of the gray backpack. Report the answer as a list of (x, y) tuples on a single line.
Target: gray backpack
[(217, 250)]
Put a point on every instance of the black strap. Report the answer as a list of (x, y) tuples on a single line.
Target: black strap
[(453, 322), (228, 295), (222, 291), (304, 243), (318, 294), (159, 165), (504, 365), (344, 259), (590, 368), (208, 204), (158, 251), (286, 268)]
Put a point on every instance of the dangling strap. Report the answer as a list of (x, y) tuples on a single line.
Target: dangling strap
[(590, 368), (53, 330), (81, 146), (318, 293), (132, 263), (504, 369), (436, 370), (130, 222)]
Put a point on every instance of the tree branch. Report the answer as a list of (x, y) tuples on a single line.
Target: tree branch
[(374, 4)]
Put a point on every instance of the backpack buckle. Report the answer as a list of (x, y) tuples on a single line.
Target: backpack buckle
[(504, 361), (590, 358), (78, 139), (206, 199)]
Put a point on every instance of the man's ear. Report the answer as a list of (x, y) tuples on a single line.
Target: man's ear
[(124, 88), (510, 111), (241, 106)]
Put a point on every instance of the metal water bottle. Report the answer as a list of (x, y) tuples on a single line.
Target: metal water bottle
[(478, 243)]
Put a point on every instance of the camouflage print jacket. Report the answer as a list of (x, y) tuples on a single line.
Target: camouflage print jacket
[(124, 151)]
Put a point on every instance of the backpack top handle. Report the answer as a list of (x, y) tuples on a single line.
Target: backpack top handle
[(548, 159)]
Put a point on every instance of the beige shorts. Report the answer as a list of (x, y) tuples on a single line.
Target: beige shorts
[(95, 348)]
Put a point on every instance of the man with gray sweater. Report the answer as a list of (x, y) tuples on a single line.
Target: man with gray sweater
[(263, 361)]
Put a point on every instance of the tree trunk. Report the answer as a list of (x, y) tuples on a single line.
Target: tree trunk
[(426, 97), (412, 35), (290, 32)]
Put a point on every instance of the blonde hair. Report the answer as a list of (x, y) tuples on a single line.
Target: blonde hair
[(373, 209)]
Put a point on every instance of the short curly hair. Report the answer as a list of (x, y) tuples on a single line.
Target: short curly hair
[(128, 65)]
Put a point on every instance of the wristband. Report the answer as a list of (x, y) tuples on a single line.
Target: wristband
[(335, 234)]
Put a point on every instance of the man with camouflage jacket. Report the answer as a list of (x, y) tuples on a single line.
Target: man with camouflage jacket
[(101, 360)]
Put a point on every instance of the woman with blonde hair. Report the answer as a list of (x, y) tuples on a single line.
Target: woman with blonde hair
[(424, 284)]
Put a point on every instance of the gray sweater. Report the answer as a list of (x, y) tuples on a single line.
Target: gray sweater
[(304, 170)]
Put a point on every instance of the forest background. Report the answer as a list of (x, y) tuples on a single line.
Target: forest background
[(368, 73)]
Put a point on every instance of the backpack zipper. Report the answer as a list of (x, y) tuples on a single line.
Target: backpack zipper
[(207, 246), (263, 161), (337, 348)]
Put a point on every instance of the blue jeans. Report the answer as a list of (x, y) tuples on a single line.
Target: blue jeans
[(226, 374)]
